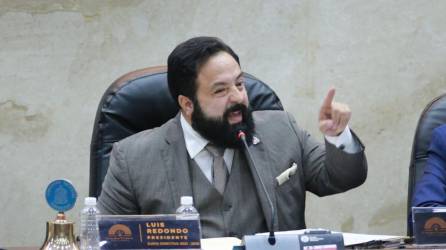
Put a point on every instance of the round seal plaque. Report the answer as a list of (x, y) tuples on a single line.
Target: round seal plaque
[(61, 195)]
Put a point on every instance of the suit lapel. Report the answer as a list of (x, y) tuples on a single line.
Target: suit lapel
[(262, 161), (175, 159)]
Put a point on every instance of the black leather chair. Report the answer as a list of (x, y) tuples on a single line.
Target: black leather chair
[(432, 116), (141, 100)]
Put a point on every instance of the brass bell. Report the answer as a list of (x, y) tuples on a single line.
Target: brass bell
[(60, 234)]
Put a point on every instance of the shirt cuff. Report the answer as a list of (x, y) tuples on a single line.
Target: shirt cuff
[(345, 141)]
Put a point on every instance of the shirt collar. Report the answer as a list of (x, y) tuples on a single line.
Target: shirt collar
[(195, 143)]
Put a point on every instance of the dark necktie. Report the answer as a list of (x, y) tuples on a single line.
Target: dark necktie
[(219, 169)]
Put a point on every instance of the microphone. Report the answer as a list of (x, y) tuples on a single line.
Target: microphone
[(242, 136)]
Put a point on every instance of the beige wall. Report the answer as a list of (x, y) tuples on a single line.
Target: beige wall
[(386, 58)]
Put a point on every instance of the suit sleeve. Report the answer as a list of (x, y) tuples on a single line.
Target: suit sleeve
[(327, 169), (117, 196), (430, 191)]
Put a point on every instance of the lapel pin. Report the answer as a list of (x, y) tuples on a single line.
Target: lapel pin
[(255, 140)]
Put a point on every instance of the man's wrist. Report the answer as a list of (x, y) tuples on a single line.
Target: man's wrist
[(344, 141)]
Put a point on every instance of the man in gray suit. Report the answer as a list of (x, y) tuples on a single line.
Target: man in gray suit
[(151, 170)]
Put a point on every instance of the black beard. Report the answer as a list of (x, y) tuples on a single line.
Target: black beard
[(218, 130)]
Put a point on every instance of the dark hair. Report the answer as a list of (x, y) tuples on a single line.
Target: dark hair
[(186, 60)]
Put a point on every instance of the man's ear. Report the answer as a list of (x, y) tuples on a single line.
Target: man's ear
[(186, 104)]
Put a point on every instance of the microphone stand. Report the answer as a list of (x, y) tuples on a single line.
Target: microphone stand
[(271, 238), (257, 242)]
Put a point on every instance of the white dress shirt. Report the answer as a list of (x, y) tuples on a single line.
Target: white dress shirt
[(195, 145)]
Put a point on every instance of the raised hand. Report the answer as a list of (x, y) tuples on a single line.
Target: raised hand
[(333, 116)]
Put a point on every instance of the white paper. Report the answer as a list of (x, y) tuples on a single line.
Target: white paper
[(353, 239)]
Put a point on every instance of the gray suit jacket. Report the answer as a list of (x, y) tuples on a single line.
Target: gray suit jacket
[(149, 171)]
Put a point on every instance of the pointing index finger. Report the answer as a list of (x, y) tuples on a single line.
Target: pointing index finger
[(329, 98)]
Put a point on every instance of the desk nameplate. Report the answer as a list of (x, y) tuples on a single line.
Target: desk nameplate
[(148, 232)]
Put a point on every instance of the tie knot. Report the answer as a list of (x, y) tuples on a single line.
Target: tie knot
[(214, 150)]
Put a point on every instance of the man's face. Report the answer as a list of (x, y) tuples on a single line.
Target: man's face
[(221, 105)]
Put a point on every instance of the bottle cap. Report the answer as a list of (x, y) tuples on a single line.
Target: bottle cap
[(90, 201), (187, 200)]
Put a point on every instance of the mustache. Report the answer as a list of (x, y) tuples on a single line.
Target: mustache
[(235, 107)]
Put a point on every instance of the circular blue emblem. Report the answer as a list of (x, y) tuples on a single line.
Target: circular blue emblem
[(60, 195)]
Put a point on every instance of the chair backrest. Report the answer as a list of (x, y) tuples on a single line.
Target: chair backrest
[(141, 100), (432, 116)]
